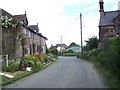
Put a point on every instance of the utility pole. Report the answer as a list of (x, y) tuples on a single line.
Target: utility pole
[(81, 33)]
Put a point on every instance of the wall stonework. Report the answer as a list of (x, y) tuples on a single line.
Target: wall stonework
[(27, 42)]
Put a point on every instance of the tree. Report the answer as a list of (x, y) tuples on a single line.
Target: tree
[(91, 43), (54, 51), (47, 50)]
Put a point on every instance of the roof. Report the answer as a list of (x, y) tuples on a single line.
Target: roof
[(34, 27), (40, 34), (108, 18), (22, 17), (74, 48), (5, 13), (52, 47), (59, 45), (62, 45)]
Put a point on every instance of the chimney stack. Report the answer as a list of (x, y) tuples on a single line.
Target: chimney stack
[(101, 8)]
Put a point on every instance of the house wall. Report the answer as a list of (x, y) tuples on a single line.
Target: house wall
[(8, 45), (8, 38), (33, 44), (36, 43), (43, 45), (117, 24), (106, 32), (0, 33)]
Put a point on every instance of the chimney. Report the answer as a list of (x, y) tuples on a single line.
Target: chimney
[(25, 12), (101, 8)]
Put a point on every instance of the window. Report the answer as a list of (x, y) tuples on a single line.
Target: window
[(24, 30)]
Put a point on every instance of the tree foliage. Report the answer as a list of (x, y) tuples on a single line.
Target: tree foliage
[(54, 51), (91, 43)]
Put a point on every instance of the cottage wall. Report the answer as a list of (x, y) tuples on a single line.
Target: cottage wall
[(106, 32), (0, 33), (34, 42)]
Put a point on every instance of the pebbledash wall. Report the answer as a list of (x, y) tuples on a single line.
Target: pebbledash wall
[(34, 42)]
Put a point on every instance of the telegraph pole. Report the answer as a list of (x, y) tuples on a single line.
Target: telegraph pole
[(81, 33)]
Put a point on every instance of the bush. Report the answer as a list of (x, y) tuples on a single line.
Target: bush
[(12, 66), (93, 52), (5, 69), (38, 66), (109, 57), (69, 54), (54, 51), (30, 58), (112, 54), (27, 61)]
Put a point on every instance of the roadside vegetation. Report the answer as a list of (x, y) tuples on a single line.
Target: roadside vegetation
[(69, 53), (106, 60), (18, 68)]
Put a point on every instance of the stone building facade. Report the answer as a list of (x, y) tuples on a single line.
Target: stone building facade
[(109, 24), (31, 41)]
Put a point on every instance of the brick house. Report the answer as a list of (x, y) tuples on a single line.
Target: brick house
[(32, 42), (109, 24)]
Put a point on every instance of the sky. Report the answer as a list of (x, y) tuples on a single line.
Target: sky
[(58, 18)]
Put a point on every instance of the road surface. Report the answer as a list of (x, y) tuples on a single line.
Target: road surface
[(66, 72)]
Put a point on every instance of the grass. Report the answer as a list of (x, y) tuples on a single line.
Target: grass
[(110, 79), (18, 75), (21, 74)]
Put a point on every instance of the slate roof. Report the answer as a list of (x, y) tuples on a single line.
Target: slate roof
[(5, 13), (74, 48), (22, 17), (62, 45), (40, 34), (59, 45), (34, 27), (108, 18)]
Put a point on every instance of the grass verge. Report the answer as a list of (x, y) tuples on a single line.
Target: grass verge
[(111, 80), (21, 74)]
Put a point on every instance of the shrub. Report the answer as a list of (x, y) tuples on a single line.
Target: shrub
[(93, 52), (5, 69), (112, 54), (27, 61), (12, 66), (54, 51), (30, 58), (38, 66), (109, 57), (69, 54)]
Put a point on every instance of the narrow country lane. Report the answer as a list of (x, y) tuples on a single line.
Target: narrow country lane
[(66, 72)]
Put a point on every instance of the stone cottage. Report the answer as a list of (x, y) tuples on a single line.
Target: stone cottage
[(29, 41), (109, 24)]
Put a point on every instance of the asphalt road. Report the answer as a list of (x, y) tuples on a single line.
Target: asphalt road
[(66, 72)]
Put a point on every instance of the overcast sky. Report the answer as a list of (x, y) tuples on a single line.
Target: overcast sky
[(61, 17)]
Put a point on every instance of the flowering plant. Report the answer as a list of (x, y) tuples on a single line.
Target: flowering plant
[(7, 22)]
